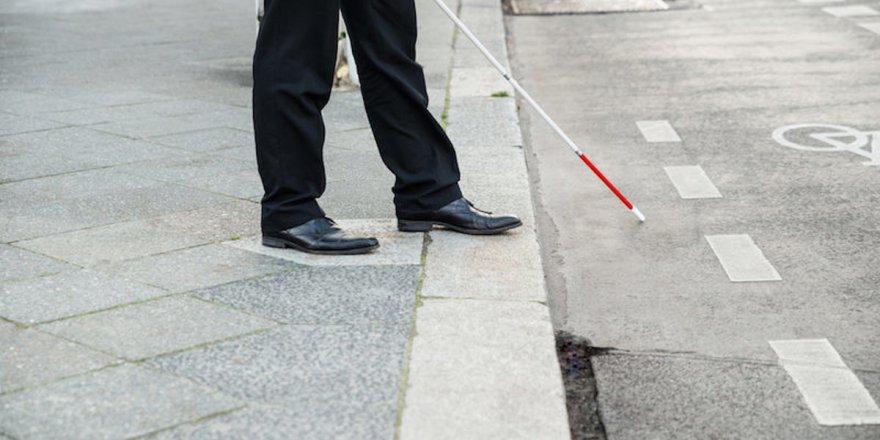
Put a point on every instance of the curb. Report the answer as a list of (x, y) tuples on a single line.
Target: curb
[(483, 360)]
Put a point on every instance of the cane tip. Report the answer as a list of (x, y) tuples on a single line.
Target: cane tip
[(638, 214)]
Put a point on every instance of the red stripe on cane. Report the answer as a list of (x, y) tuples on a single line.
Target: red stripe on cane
[(607, 182)]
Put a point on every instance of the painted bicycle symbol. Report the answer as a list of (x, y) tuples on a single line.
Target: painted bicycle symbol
[(831, 139)]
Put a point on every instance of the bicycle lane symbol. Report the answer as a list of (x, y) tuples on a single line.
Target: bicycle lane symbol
[(832, 139)]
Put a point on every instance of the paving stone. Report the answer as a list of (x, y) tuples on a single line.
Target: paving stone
[(318, 372), (185, 169), (222, 222), (479, 122), (151, 328), (359, 199), (326, 295), (105, 96), (267, 422), (65, 187), (11, 124), (105, 244), (25, 103), (100, 209), (198, 267), (30, 357), (207, 140), (242, 184), (67, 294), (157, 126), (119, 402), (17, 264), (468, 379), (396, 248), (464, 266), (244, 153), (70, 149)]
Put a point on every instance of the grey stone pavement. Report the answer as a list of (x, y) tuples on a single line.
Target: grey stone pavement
[(688, 349), (135, 300)]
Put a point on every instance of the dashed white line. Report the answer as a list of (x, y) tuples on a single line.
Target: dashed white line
[(692, 182), (742, 259), (831, 390), (851, 11), (658, 131), (873, 26)]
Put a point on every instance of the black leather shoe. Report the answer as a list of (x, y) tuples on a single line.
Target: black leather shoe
[(320, 236), (460, 216)]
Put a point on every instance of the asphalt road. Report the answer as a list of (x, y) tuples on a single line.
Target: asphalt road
[(691, 351)]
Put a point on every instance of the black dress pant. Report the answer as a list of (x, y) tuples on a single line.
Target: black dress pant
[(294, 66)]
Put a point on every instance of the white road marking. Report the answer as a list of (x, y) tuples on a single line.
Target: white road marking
[(658, 131), (851, 11), (831, 390), (692, 182), (742, 259), (873, 26)]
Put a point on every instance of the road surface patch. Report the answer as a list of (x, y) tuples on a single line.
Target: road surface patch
[(742, 259), (872, 26), (831, 390), (851, 11), (658, 131), (692, 182)]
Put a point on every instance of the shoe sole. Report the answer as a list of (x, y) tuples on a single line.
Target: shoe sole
[(281, 243), (425, 226)]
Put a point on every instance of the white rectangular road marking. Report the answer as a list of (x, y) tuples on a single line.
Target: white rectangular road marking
[(742, 259), (851, 11), (873, 26), (658, 131), (692, 182), (831, 390)]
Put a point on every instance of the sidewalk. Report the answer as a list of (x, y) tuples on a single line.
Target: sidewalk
[(134, 295)]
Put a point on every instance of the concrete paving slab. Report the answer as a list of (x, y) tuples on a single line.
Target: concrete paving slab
[(27, 103), (12, 124), (326, 295), (396, 248), (324, 373), (56, 189), (186, 168), (197, 267), (244, 184), (480, 82), (716, 398), (207, 140), (70, 149), (31, 221), (30, 357), (464, 266), (67, 294), (506, 378), (111, 243), (120, 402), (19, 264), (851, 11), (152, 328), (221, 222), (266, 422), (157, 126), (483, 122)]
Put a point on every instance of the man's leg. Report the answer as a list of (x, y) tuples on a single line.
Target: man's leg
[(293, 75), (412, 143)]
